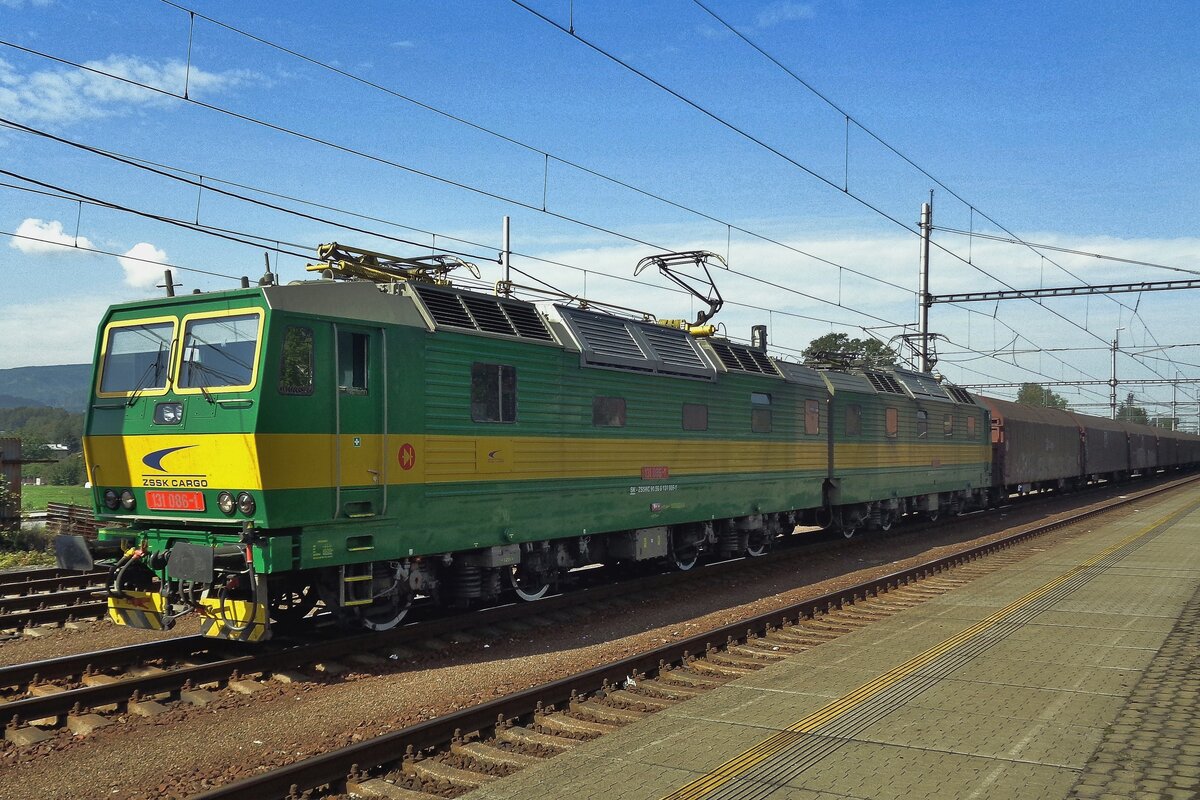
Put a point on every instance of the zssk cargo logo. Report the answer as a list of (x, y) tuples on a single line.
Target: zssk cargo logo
[(168, 479)]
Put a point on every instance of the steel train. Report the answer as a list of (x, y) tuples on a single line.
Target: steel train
[(378, 435)]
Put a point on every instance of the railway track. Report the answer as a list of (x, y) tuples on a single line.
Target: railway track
[(50, 596), (453, 754), (47, 595), (87, 690)]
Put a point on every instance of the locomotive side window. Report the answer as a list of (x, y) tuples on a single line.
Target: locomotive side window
[(296, 363), (922, 425), (948, 425), (812, 417), (695, 417), (760, 412), (608, 412), (970, 427), (493, 393), (352, 362), (891, 423), (854, 420)]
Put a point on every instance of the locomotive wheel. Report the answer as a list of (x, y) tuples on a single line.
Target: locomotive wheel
[(758, 543), (293, 603), (390, 605), (933, 515), (526, 585), (684, 553), (885, 521), (386, 612)]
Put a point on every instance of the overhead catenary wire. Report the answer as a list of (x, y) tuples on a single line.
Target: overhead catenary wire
[(260, 240), (350, 151), (851, 119), (775, 151), (458, 118), (545, 154), (386, 161)]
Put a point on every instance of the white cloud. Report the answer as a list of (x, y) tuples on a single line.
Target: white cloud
[(143, 265), (29, 341), (778, 13), (403, 44), (45, 237), (64, 95)]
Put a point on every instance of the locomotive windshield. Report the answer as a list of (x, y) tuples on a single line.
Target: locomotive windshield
[(219, 352), (136, 357)]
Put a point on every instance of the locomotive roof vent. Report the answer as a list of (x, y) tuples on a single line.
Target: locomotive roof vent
[(619, 343), (959, 395), (922, 384), (451, 308), (738, 358), (883, 382)]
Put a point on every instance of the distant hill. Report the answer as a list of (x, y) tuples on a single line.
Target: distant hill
[(62, 386)]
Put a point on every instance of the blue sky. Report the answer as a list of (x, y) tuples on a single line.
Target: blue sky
[(1067, 124)]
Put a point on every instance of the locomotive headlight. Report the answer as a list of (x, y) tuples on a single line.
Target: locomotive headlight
[(168, 413), (111, 499), (246, 503), (127, 501), (225, 502)]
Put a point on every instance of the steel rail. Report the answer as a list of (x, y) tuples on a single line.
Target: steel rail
[(333, 768), (53, 616), (38, 600), (71, 580), (24, 576)]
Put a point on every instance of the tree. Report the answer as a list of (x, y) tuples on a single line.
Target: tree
[(1031, 394), (840, 348), (1130, 411)]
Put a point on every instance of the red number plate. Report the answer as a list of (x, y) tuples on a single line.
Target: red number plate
[(175, 501)]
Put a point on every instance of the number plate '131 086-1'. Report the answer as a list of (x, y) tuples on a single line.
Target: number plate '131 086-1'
[(175, 501)]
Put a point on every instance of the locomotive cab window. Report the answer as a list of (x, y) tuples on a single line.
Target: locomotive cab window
[(219, 352), (760, 412), (948, 425), (135, 357), (695, 417), (608, 412), (493, 393), (296, 362), (352, 362), (891, 422), (812, 417), (922, 424), (970, 427), (854, 420)]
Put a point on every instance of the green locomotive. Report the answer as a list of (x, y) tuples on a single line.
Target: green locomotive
[(378, 435)]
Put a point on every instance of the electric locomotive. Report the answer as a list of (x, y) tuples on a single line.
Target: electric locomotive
[(377, 435)]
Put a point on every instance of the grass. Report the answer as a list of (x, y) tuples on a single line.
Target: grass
[(25, 548), (26, 558), (35, 498)]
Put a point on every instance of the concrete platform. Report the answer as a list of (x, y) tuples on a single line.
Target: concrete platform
[(1075, 672)]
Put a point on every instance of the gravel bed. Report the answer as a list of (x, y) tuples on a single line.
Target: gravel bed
[(50, 642), (187, 749)]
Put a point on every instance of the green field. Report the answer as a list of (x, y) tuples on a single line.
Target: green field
[(35, 498)]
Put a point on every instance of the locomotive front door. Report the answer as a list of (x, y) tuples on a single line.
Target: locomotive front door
[(361, 429)]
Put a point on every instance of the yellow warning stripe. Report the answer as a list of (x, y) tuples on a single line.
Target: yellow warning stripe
[(785, 738), (305, 461)]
